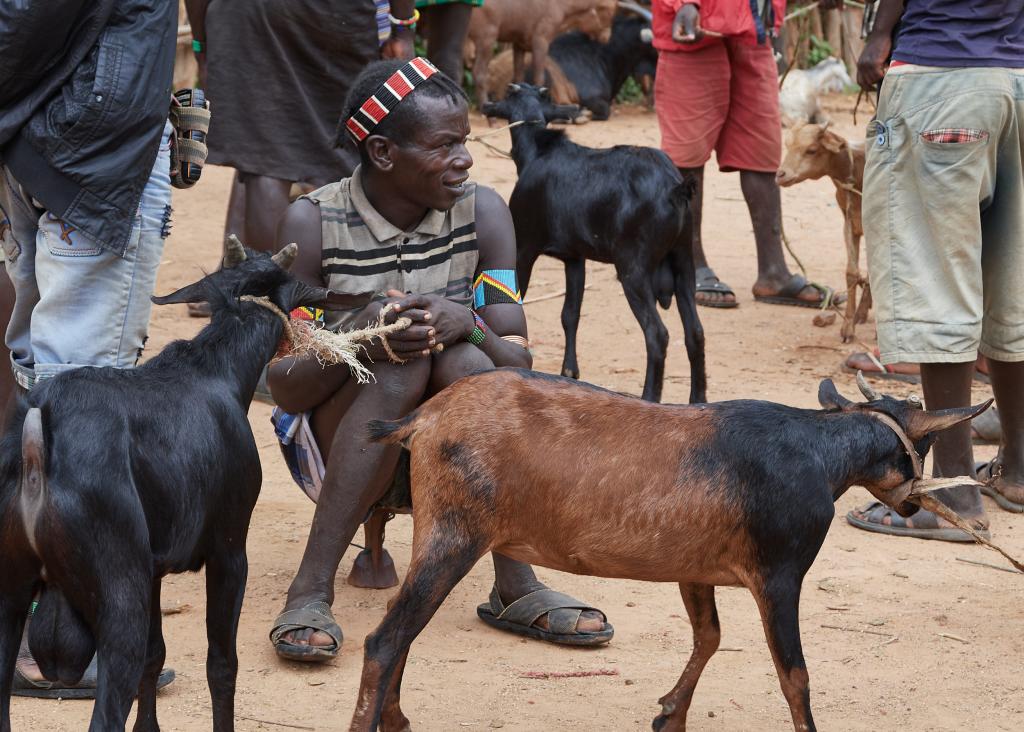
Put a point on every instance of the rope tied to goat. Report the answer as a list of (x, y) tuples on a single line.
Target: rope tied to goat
[(329, 348), (919, 489)]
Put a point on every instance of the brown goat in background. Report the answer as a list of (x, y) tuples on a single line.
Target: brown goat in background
[(812, 152), (531, 25)]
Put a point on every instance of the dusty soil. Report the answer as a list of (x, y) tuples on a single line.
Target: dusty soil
[(920, 641)]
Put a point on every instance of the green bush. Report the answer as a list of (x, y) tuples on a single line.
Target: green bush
[(818, 50)]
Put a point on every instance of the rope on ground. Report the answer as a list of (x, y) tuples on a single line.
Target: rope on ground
[(331, 348)]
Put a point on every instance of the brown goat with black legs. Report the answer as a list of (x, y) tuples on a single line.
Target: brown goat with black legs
[(733, 493)]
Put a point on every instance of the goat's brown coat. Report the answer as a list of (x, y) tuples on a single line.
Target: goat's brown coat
[(814, 151)]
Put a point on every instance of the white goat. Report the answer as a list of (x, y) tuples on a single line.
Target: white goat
[(798, 98)]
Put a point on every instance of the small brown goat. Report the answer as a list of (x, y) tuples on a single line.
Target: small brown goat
[(531, 25), (814, 151), (735, 493)]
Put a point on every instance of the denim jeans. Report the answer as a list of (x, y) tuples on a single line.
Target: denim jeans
[(76, 303)]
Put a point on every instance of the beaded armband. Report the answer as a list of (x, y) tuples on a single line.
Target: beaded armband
[(494, 286)]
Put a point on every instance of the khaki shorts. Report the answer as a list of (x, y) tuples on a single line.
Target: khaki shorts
[(944, 214)]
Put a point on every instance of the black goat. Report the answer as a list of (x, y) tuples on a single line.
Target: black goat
[(736, 493), (624, 205), (111, 479), (598, 70)]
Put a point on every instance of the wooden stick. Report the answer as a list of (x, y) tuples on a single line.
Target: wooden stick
[(276, 724), (954, 637), (990, 566), (550, 296), (568, 674), (856, 630)]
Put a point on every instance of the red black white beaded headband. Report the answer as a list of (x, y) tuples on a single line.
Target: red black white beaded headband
[(388, 96)]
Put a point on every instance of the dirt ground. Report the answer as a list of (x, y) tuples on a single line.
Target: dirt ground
[(898, 633)]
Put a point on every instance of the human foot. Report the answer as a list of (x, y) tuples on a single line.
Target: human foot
[(545, 614), (869, 363), (712, 292), (1008, 494), (794, 290), (306, 631), (881, 519)]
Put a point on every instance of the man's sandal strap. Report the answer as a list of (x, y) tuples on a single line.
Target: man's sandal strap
[(563, 610)]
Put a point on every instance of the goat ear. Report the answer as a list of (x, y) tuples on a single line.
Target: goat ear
[(829, 397), (831, 141), (920, 423), (195, 292)]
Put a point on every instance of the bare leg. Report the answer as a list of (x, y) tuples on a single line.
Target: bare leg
[(265, 201), (761, 191), (697, 212), (700, 606), (949, 385), (446, 29), (358, 473), (1007, 380)]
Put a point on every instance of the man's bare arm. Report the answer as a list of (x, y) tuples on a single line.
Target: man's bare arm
[(496, 239), (874, 58), (299, 384)]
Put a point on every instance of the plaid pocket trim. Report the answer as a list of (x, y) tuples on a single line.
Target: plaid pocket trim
[(955, 135)]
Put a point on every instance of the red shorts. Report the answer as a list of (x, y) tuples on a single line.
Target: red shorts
[(724, 97)]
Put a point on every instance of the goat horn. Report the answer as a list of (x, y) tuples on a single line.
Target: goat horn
[(234, 252), (286, 256), (825, 124), (862, 384), (638, 9)]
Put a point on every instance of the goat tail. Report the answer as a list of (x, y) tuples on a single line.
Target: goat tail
[(393, 432), (32, 489)]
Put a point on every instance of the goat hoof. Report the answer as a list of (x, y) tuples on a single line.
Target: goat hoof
[(401, 724), (570, 373), (659, 722), (372, 576)]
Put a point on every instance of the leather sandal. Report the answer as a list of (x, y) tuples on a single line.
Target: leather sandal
[(563, 614), (315, 615)]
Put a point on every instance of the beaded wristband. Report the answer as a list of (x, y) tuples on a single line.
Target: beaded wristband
[(479, 333), (408, 22), (197, 46)]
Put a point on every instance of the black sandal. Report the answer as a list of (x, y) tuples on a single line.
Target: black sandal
[(563, 614), (708, 282)]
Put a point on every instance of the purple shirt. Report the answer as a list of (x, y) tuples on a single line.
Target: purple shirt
[(955, 33)]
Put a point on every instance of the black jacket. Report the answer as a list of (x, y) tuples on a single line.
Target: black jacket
[(85, 88)]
